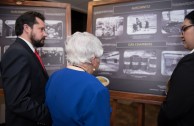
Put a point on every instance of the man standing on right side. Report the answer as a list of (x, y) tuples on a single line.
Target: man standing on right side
[(23, 74), (178, 108)]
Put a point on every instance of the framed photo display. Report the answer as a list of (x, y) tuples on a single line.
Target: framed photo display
[(141, 41)]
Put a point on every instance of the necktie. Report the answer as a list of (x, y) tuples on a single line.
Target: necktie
[(40, 60)]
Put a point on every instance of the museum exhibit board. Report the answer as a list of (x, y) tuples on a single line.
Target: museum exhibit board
[(142, 45), (141, 41), (58, 27)]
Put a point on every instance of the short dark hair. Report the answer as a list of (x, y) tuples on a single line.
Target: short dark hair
[(190, 17), (28, 18)]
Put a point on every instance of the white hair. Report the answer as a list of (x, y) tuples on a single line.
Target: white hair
[(82, 47)]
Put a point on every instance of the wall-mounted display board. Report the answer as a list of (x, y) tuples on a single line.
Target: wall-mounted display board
[(141, 41), (58, 27)]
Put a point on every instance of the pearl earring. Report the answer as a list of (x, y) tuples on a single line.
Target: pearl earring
[(94, 69)]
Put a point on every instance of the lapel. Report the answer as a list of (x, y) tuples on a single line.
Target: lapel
[(21, 42)]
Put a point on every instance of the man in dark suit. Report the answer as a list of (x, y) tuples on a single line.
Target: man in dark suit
[(178, 108), (23, 75)]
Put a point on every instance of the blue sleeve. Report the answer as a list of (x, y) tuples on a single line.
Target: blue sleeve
[(99, 110)]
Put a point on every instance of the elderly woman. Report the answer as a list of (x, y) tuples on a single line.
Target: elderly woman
[(74, 96), (178, 108)]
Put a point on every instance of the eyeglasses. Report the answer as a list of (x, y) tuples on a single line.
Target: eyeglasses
[(183, 29)]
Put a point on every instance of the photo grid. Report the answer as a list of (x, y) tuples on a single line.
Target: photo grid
[(141, 62)]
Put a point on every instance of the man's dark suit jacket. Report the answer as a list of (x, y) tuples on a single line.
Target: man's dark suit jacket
[(24, 82), (178, 109)]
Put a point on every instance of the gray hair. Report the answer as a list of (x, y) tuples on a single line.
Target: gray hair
[(82, 47)]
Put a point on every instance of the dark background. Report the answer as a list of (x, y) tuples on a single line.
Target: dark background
[(78, 21)]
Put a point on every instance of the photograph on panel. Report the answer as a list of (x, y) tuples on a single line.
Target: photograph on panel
[(1, 27), (110, 61), (9, 29), (54, 29), (109, 26), (5, 48), (52, 56), (169, 61), (171, 21), (142, 24), (140, 62), (189, 10)]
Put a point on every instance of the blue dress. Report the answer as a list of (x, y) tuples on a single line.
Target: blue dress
[(77, 98)]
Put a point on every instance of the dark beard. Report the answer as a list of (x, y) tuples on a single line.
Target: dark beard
[(37, 43)]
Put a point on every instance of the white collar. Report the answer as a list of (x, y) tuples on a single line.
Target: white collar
[(28, 43), (192, 51)]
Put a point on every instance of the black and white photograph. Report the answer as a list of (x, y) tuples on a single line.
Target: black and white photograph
[(110, 61), (171, 21), (52, 56), (54, 29), (109, 26), (140, 62), (1, 27), (142, 24), (169, 61), (189, 10), (9, 29)]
